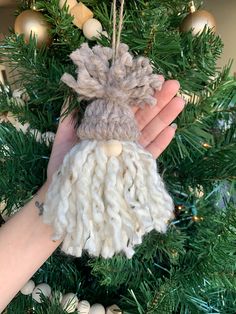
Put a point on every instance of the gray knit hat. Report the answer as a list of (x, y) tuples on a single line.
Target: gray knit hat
[(113, 89)]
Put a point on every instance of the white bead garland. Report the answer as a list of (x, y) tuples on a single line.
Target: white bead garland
[(28, 288), (69, 302), (113, 309), (43, 288), (48, 137), (21, 93), (18, 101), (83, 19), (92, 29), (80, 14), (83, 307), (3, 205), (97, 309)]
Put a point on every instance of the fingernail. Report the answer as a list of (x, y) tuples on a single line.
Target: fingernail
[(174, 126)]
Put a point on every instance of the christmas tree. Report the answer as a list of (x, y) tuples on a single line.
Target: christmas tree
[(189, 269)]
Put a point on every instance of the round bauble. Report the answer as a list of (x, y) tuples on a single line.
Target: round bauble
[(92, 29), (113, 309), (112, 148), (42, 288), (83, 307), (69, 302), (67, 3), (28, 288), (197, 21), (97, 309), (33, 22)]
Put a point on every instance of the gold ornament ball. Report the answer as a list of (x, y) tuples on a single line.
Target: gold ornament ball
[(197, 21), (33, 22)]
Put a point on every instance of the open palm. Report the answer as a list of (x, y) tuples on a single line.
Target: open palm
[(153, 122)]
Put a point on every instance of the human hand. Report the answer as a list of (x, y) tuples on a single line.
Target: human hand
[(153, 122)]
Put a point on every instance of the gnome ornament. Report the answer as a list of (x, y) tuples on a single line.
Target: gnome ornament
[(108, 194)]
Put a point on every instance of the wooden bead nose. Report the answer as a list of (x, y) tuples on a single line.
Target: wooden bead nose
[(112, 148)]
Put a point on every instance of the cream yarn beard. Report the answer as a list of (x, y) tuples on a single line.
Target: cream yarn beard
[(106, 204)]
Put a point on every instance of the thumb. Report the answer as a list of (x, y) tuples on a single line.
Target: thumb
[(67, 124)]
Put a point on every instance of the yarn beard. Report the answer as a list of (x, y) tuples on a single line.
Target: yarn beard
[(99, 201)]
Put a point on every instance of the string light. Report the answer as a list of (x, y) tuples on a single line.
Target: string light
[(197, 218), (206, 145)]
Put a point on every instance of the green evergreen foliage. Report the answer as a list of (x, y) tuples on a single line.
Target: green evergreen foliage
[(191, 268), (23, 165)]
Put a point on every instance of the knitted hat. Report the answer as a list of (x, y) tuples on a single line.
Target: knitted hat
[(112, 90)]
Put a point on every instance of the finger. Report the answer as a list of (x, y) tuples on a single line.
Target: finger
[(164, 96), (161, 121), (160, 78), (160, 143)]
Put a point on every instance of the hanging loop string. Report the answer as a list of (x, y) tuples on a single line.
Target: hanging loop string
[(114, 32), (116, 41), (120, 26)]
